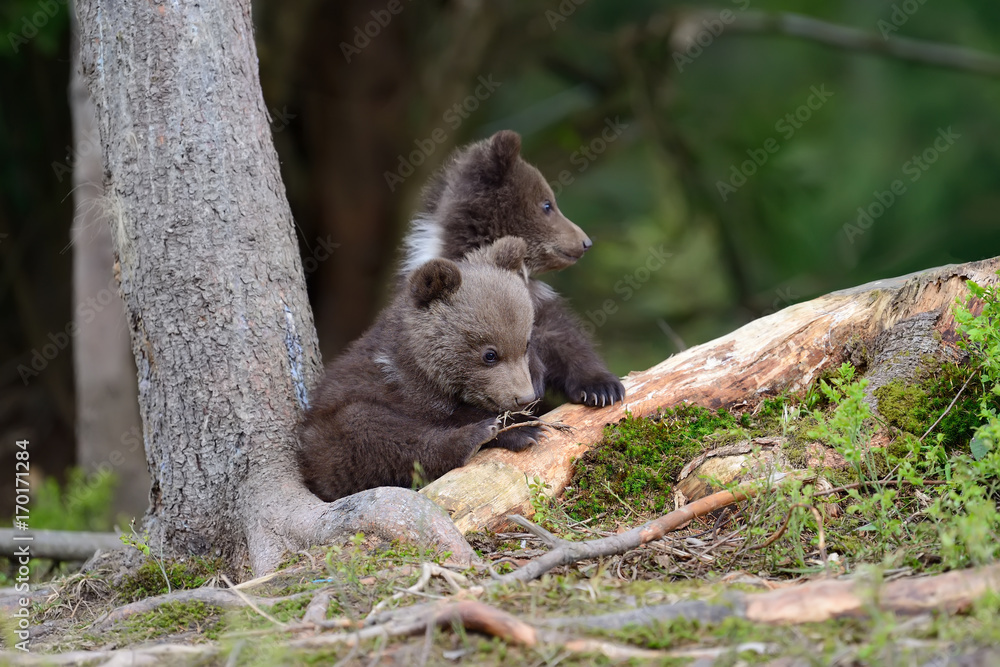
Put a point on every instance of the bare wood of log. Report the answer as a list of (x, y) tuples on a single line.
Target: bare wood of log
[(783, 351)]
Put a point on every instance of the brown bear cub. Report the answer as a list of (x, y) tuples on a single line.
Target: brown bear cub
[(487, 191), (426, 383)]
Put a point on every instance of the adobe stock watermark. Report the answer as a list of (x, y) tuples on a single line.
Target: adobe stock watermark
[(783, 297), (381, 18), (457, 114), (563, 12), (913, 168), (705, 37), (786, 126), (319, 254), (901, 13), (60, 340), (626, 288), (587, 153), (30, 25)]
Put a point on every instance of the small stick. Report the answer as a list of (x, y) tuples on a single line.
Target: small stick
[(946, 410), (784, 525), (250, 603), (558, 426), (877, 482)]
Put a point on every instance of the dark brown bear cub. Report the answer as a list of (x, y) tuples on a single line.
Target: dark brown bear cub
[(426, 383), (484, 192)]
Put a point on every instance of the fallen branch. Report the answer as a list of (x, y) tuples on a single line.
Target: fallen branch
[(814, 602), (58, 544), (566, 552)]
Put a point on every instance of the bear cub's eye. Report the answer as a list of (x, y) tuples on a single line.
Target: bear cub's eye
[(491, 356), (547, 206)]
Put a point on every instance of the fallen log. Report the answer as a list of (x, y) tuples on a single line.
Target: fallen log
[(787, 350)]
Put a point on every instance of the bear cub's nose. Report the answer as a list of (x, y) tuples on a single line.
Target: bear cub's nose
[(524, 400)]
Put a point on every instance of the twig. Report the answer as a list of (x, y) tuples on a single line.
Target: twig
[(250, 603), (558, 426), (571, 552), (427, 570), (784, 525), (877, 482), (545, 536), (948, 409), (250, 583)]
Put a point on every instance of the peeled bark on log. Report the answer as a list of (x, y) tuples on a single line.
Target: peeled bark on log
[(784, 351)]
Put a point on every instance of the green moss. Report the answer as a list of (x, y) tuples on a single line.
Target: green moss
[(168, 619), (183, 573), (638, 459), (915, 407)]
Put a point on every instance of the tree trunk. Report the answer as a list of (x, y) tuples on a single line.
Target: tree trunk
[(107, 413), (884, 327), (221, 328)]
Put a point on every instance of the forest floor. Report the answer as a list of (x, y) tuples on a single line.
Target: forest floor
[(896, 495)]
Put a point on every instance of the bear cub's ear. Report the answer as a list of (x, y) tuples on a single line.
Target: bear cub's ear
[(437, 279), (505, 146), (508, 253)]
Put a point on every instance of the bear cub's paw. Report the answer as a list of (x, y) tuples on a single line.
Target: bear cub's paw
[(597, 392), (518, 439), (486, 431)]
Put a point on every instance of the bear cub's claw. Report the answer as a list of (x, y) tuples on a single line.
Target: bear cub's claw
[(518, 439), (599, 394)]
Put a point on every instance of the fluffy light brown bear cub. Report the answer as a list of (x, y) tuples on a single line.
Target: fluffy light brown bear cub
[(426, 383), (486, 191)]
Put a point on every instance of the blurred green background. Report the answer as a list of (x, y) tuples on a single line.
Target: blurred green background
[(687, 97)]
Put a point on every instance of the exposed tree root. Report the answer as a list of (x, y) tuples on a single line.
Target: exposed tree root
[(218, 597), (387, 512)]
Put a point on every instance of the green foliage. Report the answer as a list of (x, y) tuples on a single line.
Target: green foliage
[(85, 504), (635, 464), (845, 428), (981, 338)]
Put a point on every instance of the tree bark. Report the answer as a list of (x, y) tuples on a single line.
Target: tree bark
[(108, 436), (787, 350), (214, 293)]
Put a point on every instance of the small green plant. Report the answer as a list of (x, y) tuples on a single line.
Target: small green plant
[(541, 503), (846, 428), (134, 539), (981, 338)]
